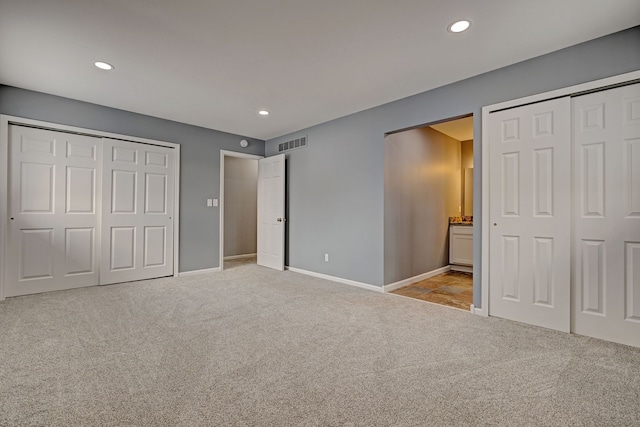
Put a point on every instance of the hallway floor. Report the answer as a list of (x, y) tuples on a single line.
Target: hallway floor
[(453, 288), (239, 262)]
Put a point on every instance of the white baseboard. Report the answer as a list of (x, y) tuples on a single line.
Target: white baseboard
[(477, 311), (464, 268), (397, 285), (196, 272), (336, 279), (230, 257)]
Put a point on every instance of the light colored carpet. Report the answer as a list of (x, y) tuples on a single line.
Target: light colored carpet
[(255, 347)]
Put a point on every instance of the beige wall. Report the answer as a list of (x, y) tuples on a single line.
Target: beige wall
[(421, 190), (240, 206), (467, 187), (466, 151)]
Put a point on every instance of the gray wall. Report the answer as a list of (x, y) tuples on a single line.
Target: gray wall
[(199, 166), (337, 183), (422, 190), (240, 206)]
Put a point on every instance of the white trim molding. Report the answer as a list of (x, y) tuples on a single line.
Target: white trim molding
[(402, 283), (198, 272), (478, 311), (84, 131), (336, 279), (176, 213), (486, 220), (4, 195), (244, 256), (463, 268)]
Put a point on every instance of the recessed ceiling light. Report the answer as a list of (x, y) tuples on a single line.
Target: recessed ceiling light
[(263, 112), (103, 65), (459, 26)]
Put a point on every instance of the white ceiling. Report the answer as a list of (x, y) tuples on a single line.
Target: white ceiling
[(460, 129), (215, 63)]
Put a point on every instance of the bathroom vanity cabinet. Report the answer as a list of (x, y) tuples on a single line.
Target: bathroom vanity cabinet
[(461, 247)]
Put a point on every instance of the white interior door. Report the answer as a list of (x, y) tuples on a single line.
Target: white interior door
[(137, 213), (271, 205), (530, 214), (53, 206), (606, 292)]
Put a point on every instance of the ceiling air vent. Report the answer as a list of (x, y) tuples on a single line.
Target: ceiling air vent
[(293, 144)]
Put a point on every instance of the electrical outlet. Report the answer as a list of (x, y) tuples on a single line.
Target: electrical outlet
[(215, 203), (209, 203), (326, 257)]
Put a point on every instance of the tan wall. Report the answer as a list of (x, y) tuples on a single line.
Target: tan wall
[(467, 187), (466, 150), (240, 206), (422, 189)]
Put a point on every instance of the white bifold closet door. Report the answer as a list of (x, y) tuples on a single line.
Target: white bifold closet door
[(606, 273), (53, 211), (530, 212), (137, 211)]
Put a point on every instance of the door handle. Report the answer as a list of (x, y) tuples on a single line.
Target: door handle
[(281, 219)]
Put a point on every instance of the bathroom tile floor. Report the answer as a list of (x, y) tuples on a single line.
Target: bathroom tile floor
[(453, 288)]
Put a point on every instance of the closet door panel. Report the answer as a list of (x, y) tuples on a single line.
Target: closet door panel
[(137, 212), (606, 279), (529, 275), (54, 180)]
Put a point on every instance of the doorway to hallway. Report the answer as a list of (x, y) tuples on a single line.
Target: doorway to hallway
[(238, 208)]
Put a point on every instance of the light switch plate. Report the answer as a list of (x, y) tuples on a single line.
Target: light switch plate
[(215, 202), (209, 203)]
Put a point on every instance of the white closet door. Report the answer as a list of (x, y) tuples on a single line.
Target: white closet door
[(137, 213), (53, 206), (530, 214), (606, 292), (271, 205)]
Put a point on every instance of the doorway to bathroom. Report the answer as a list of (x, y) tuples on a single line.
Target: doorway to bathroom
[(429, 212)]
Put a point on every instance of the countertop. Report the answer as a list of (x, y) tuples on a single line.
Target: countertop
[(460, 220)]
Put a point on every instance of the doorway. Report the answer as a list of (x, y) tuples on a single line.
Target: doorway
[(429, 212), (238, 209)]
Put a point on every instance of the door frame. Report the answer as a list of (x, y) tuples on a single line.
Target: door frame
[(592, 86), (223, 154), (7, 120)]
